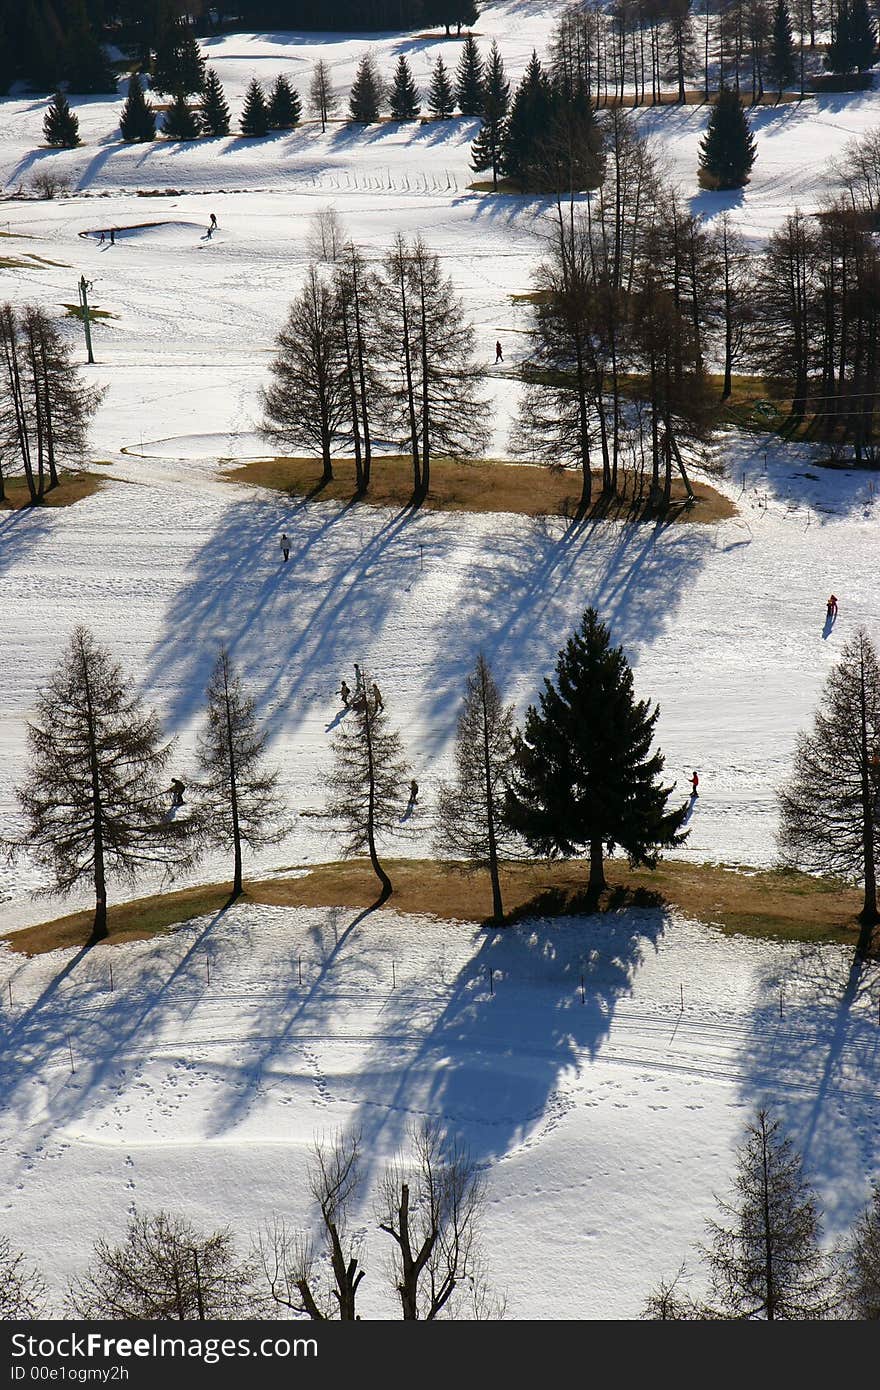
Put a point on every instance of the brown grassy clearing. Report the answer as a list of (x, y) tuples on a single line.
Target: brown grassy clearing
[(485, 485), (72, 487), (767, 903)]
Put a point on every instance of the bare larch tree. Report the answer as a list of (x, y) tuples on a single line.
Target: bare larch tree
[(238, 796), (829, 809), (294, 1266), (166, 1269), (369, 778), (92, 800), (469, 809)]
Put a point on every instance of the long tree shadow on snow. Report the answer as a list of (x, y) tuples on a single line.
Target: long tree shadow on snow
[(815, 1063), (528, 586), (108, 1032), (291, 628), (489, 1065)]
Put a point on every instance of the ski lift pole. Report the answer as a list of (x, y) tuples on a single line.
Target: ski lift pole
[(84, 287)]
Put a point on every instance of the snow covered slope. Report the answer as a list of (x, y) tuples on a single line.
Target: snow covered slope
[(605, 1120)]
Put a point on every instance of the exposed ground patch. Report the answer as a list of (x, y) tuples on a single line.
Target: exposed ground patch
[(486, 485), (776, 904)]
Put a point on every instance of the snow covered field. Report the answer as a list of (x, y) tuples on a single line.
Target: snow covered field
[(605, 1126)]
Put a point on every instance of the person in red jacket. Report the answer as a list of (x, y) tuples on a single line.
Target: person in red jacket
[(695, 782), (831, 609)]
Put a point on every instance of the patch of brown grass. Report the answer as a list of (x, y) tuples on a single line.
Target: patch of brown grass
[(485, 485), (72, 487), (767, 903)]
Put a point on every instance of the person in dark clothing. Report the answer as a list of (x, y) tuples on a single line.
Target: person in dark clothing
[(285, 546), (176, 789), (695, 782), (377, 697), (499, 355), (213, 224), (345, 694), (112, 236), (413, 792), (831, 609)]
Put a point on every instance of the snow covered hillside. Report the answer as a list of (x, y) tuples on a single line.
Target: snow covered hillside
[(605, 1120)]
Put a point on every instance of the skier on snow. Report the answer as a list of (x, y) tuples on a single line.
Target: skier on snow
[(695, 782), (345, 694), (285, 546), (831, 609)]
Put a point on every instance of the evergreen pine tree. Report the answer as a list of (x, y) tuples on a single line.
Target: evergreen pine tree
[(180, 122), (60, 124), (863, 35), (727, 150), (86, 66), (178, 65), (853, 39), (470, 79), (781, 60), (190, 64), (523, 152), (255, 113), (584, 775), (405, 101), (486, 149), (213, 111), (164, 70), (365, 102), (441, 98), (285, 107), (137, 120)]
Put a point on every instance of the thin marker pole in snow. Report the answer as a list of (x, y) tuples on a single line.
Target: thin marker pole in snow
[(111, 974), (299, 966), (681, 987), (780, 1000), (491, 971), (208, 966), (70, 1050), (583, 991), (421, 557), (393, 976), (9, 982)]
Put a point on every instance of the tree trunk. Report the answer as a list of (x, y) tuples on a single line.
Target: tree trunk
[(497, 904), (380, 873), (237, 885), (597, 868), (99, 927), (868, 914)]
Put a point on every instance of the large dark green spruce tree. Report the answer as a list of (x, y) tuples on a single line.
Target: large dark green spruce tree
[(365, 102), (213, 111), (60, 125), (255, 112), (285, 107), (781, 60), (137, 120), (470, 79), (404, 94), (486, 149), (853, 38), (180, 122), (441, 97), (584, 775), (523, 151), (727, 150)]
